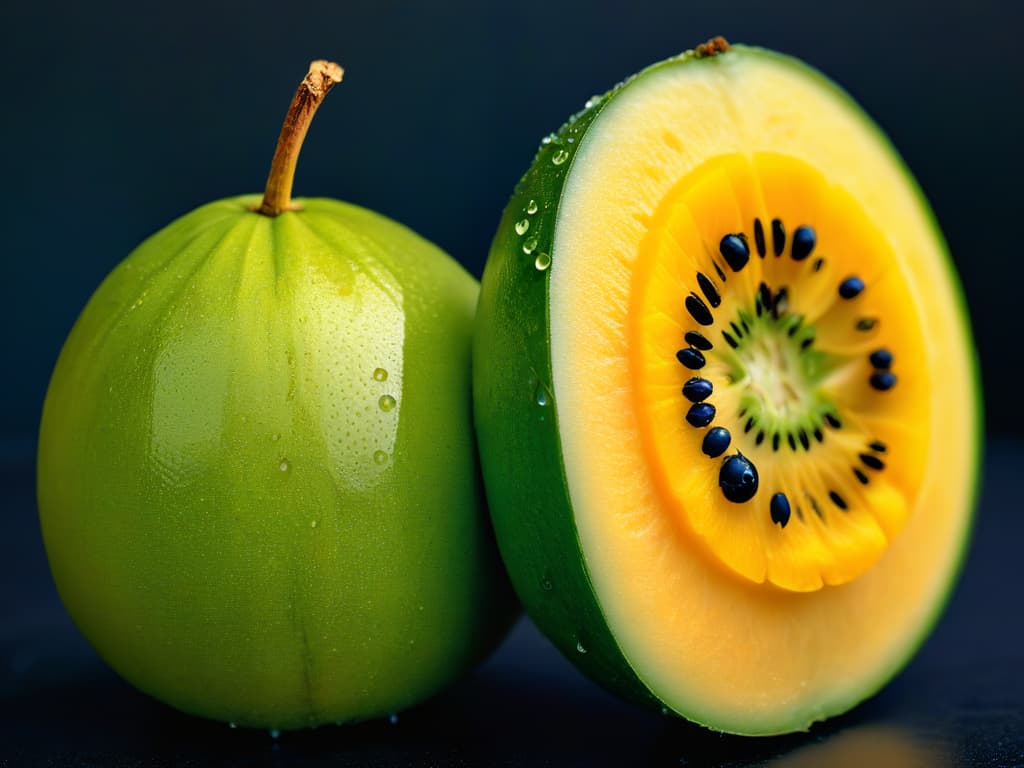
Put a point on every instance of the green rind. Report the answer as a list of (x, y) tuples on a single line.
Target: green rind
[(215, 521), (519, 439)]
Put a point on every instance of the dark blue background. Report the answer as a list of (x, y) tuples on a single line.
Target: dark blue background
[(119, 117)]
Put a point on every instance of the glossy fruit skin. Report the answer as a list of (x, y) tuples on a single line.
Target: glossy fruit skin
[(519, 433), (257, 476)]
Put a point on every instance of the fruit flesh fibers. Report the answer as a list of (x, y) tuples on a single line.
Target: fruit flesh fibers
[(236, 515), (659, 618)]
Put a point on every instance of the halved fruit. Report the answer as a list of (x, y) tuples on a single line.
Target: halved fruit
[(726, 394)]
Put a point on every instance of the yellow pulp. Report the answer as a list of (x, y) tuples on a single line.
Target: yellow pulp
[(823, 543), (689, 583)]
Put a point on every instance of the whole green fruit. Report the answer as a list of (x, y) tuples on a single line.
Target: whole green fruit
[(257, 479)]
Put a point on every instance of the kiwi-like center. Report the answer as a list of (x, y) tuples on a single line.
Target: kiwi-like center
[(780, 384)]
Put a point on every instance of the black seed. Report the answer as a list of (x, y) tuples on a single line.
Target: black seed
[(743, 322), (833, 421), (759, 237), (696, 339), (750, 424), (730, 340), (738, 478), (791, 331), (718, 269), (818, 264), (736, 330), (708, 289), (766, 295), (691, 358), (778, 237), (866, 323), (871, 461), (700, 414), (760, 437), (779, 508), (775, 441), (742, 412), (715, 442), (851, 287), (806, 342), (780, 302), (697, 390), (698, 310), (735, 251), (792, 441), (860, 476), (818, 435), (799, 512), (804, 440), (879, 446), (758, 309), (803, 243), (883, 380), (838, 500), (815, 507), (881, 358)]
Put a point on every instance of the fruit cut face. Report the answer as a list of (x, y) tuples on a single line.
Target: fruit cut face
[(753, 252), (751, 586)]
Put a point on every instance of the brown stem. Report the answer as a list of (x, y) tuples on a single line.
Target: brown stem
[(321, 77)]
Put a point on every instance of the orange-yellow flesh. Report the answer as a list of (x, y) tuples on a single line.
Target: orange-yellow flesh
[(710, 643), (822, 544)]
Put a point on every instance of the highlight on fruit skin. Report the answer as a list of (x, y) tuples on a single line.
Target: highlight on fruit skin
[(257, 477), (720, 352)]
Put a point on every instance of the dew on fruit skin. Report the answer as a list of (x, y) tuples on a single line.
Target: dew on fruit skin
[(530, 245), (379, 374), (522, 226), (275, 437), (560, 157), (232, 725), (386, 402), (545, 582), (275, 733), (542, 262), (541, 396), (531, 207), (380, 457), (580, 648), (312, 523), (284, 465), (393, 719)]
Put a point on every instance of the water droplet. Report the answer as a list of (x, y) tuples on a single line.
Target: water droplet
[(541, 395), (664, 710), (386, 402), (380, 457), (521, 226), (393, 719), (580, 648), (543, 261), (560, 157), (312, 523), (545, 582), (275, 437), (284, 465), (275, 733), (379, 374), (232, 725), (531, 207), (530, 245), (591, 102)]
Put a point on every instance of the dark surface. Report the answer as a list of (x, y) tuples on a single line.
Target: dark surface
[(119, 117), (959, 703)]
